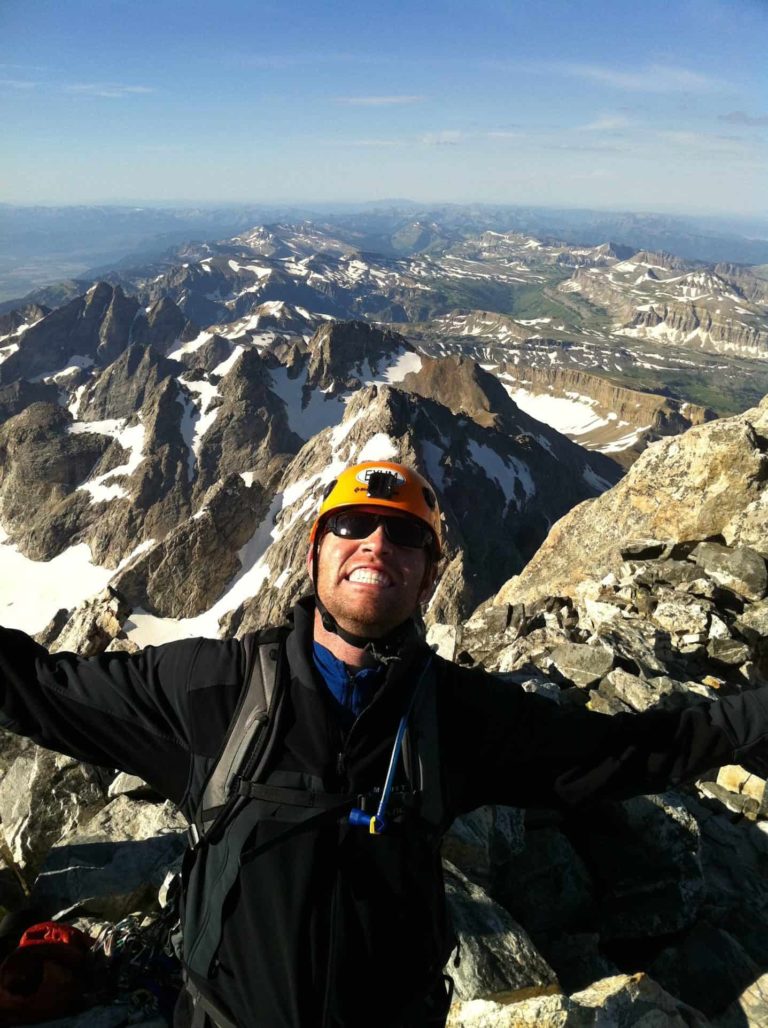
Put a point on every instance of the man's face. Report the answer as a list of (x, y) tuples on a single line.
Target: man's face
[(372, 585)]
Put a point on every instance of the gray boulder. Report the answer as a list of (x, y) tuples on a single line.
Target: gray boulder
[(740, 569), (44, 795), (496, 954), (115, 863)]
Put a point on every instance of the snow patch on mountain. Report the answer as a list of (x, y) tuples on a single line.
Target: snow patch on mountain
[(432, 455), (226, 365), (199, 415), (591, 477), (321, 411), (49, 585), (191, 346), (572, 416), (379, 447), (404, 362), (103, 487), (76, 363), (506, 475), (7, 351)]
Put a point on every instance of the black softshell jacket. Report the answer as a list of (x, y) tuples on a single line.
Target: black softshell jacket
[(332, 926)]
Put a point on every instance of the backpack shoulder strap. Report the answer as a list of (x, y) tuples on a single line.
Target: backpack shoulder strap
[(251, 725), (421, 754)]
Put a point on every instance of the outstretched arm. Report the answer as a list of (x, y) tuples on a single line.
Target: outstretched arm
[(523, 750), (129, 711)]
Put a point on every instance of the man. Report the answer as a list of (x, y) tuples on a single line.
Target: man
[(336, 917)]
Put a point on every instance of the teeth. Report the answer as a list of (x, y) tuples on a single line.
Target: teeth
[(370, 577)]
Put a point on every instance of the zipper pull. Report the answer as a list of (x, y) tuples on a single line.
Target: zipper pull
[(341, 765)]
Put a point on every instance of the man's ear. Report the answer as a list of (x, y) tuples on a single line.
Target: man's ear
[(310, 562)]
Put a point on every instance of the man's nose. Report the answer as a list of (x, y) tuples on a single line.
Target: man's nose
[(377, 541)]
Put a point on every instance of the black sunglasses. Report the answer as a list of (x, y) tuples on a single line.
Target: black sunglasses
[(400, 531)]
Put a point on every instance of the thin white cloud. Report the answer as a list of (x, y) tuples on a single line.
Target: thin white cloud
[(504, 134), (110, 90), (654, 78), (607, 123), (18, 84), (378, 101), (448, 137)]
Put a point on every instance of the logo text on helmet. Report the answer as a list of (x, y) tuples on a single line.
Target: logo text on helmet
[(364, 475)]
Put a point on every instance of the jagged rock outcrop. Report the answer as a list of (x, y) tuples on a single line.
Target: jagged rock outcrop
[(41, 464), (91, 628), (162, 326), (707, 483), (20, 317), (150, 494), (344, 354), (206, 358), (620, 1001), (664, 883), (465, 388), (124, 386), (114, 863), (250, 431), (95, 326), (166, 580), (19, 395), (42, 796), (496, 954)]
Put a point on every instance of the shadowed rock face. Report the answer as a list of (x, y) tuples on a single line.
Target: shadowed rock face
[(15, 319), (122, 388), (339, 349), (162, 326), (184, 574), (251, 431), (19, 395), (95, 326), (42, 463)]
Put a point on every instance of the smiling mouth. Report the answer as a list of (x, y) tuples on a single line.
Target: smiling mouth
[(367, 576)]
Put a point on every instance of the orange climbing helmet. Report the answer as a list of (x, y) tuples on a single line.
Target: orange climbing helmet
[(381, 483)]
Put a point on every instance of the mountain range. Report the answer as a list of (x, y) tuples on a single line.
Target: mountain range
[(167, 431)]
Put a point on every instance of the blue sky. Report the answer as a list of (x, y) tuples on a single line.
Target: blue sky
[(651, 106)]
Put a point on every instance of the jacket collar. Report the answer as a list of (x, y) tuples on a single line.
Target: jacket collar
[(403, 646)]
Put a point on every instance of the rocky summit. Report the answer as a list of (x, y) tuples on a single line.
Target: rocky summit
[(161, 459)]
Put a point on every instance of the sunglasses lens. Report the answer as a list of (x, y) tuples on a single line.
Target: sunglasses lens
[(354, 526), (400, 531)]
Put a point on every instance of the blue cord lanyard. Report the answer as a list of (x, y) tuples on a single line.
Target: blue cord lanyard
[(377, 823)]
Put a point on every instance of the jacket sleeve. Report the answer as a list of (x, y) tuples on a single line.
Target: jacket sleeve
[(119, 710), (509, 746)]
